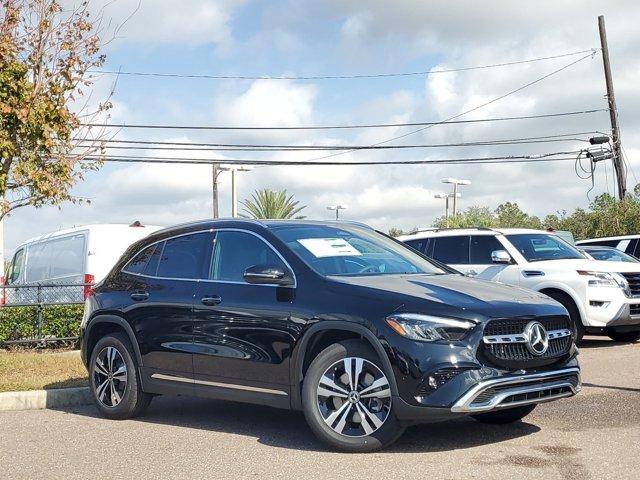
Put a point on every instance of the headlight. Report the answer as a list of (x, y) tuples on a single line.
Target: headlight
[(605, 279), (426, 328)]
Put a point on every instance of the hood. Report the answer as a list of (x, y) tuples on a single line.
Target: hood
[(454, 295), (583, 264)]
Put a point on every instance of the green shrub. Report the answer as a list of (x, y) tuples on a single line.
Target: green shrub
[(18, 323)]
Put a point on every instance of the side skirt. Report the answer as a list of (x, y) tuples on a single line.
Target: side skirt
[(172, 383)]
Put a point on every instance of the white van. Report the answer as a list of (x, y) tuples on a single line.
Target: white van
[(75, 256)]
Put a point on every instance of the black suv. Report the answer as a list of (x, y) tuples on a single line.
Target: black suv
[(345, 323)]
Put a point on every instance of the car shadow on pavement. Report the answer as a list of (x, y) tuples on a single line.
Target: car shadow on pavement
[(287, 429), (611, 387)]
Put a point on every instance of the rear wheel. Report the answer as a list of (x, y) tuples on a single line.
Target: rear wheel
[(115, 380), (624, 336), (347, 399), (577, 328), (503, 417)]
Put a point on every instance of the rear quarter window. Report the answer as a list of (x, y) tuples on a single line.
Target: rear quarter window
[(451, 250)]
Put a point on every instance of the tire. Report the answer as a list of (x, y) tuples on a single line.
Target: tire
[(122, 396), (504, 417), (627, 337), (346, 412), (577, 328)]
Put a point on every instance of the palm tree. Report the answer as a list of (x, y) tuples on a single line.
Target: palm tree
[(268, 203)]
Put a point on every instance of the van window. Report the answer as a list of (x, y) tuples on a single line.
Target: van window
[(184, 257), (234, 252), (16, 266), (481, 248), (55, 258), (452, 250)]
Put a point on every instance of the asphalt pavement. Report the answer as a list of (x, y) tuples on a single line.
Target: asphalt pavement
[(595, 435)]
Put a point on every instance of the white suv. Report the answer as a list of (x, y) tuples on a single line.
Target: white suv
[(601, 297)]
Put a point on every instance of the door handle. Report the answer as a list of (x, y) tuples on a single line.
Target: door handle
[(472, 273), (139, 295), (211, 301)]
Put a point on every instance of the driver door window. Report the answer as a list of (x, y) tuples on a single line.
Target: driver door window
[(234, 252)]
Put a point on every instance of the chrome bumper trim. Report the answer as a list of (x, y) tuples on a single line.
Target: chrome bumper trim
[(520, 384)]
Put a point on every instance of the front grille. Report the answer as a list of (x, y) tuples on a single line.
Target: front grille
[(634, 283), (517, 355), (634, 309)]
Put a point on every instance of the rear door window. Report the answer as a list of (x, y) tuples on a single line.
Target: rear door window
[(184, 257), (418, 244), (452, 250), (481, 248)]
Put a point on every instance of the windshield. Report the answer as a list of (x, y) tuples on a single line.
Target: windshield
[(611, 255), (536, 247), (351, 250)]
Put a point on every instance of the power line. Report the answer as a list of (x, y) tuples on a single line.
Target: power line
[(185, 146), (338, 77), (336, 127), (477, 107), (191, 161)]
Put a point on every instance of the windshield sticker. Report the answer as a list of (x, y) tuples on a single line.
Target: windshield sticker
[(329, 247)]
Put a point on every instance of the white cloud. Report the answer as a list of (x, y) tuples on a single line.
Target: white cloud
[(190, 22)]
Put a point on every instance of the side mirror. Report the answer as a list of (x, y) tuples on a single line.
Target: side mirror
[(500, 256), (268, 275)]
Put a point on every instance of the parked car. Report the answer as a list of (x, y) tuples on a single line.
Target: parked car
[(608, 254), (601, 297), (75, 256), (333, 318), (629, 244)]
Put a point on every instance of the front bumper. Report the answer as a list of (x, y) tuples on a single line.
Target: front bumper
[(610, 307), (517, 390), (495, 393)]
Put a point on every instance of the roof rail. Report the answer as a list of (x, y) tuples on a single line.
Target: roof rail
[(444, 229)]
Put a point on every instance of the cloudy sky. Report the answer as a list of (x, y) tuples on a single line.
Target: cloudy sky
[(349, 37)]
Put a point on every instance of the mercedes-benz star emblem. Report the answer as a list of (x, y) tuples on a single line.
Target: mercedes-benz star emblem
[(537, 338)]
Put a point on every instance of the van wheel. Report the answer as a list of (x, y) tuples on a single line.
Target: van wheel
[(115, 380), (577, 328), (504, 417), (346, 397), (628, 337)]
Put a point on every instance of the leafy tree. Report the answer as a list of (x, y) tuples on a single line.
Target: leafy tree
[(471, 217), (395, 232), (45, 58), (509, 215), (268, 203)]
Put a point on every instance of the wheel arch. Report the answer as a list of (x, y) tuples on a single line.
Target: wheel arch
[(99, 326), (303, 354), (545, 288)]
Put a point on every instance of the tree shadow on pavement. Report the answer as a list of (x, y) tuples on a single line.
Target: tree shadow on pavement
[(287, 429)]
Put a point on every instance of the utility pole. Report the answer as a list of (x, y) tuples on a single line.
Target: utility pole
[(214, 179), (618, 164)]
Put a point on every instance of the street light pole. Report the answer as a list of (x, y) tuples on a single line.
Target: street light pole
[(234, 186), (456, 182), (337, 208)]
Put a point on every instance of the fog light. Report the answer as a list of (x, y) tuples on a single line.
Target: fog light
[(438, 378)]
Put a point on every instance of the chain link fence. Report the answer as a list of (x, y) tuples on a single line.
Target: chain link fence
[(41, 314)]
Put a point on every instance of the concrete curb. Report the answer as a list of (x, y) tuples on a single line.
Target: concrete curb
[(39, 399)]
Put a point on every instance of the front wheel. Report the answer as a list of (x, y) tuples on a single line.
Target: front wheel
[(627, 337), (506, 416), (114, 379), (347, 399)]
